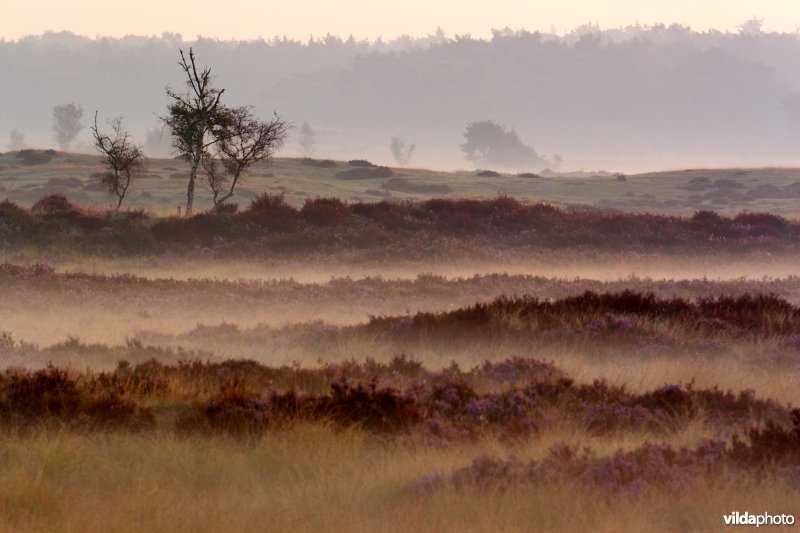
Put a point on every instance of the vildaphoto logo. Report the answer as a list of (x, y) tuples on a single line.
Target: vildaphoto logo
[(765, 519)]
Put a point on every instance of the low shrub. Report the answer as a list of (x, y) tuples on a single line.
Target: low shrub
[(272, 212), (322, 163), (234, 411), (35, 157), (649, 466), (372, 408), (607, 313), (54, 204), (12, 212), (52, 395), (764, 224), (365, 173), (500, 224), (325, 211), (225, 209)]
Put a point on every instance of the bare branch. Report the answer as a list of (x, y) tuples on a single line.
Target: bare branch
[(124, 159), (245, 142)]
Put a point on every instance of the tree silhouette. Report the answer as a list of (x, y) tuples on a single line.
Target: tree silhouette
[(67, 123), (196, 119), (246, 141), (490, 143), (307, 140), (157, 142), (16, 140), (124, 159), (402, 153)]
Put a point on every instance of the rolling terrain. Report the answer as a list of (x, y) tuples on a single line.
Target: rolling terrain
[(162, 187), (395, 349)]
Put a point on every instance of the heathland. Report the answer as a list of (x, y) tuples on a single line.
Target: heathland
[(397, 349), (27, 176)]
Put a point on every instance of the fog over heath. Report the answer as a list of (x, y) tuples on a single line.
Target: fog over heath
[(619, 99)]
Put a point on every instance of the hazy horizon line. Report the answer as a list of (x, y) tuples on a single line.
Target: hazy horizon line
[(439, 32)]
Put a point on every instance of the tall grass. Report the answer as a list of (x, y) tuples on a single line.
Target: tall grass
[(313, 478)]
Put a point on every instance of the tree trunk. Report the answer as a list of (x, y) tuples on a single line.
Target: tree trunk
[(190, 189)]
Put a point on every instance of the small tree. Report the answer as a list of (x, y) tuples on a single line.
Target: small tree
[(16, 141), (157, 142), (402, 153), (196, 119), (245, 141), (307, 140), (67, 123), (124, 159), (491, 143)]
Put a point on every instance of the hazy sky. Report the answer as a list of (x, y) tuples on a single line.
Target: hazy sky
[(248, 19)]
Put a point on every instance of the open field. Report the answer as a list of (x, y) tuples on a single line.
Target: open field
[(443, 364), (163, 188), (311, 478), (507, 445)]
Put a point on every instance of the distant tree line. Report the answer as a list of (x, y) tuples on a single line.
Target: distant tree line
[(634, 90), (639, 88)]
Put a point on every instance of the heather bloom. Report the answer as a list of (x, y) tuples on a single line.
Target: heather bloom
[(603, 419), (519, 369), (657, 466), (439, 432)]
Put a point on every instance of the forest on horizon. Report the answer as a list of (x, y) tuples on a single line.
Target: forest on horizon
[(630, 98)]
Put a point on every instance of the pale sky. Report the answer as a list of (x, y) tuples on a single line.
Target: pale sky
[(250, 19)]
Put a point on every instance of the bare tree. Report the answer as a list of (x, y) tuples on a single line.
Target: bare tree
[(245, 141), (16, 140), (196, 119), (307, 140), (67, 123), (124, 159), (401, 152)]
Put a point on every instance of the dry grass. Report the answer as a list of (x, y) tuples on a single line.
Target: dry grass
[(313, 478), (66, 472), (664, 192)]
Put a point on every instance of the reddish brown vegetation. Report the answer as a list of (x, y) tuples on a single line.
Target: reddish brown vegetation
[(622, 315), (53, 395), (499, 223), (513, 397)]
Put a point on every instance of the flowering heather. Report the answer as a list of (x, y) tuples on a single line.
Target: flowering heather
[(244, 397), (650, 466), (623, 315), (520, 369), (169, 306), (393, 228), (54, 204)]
